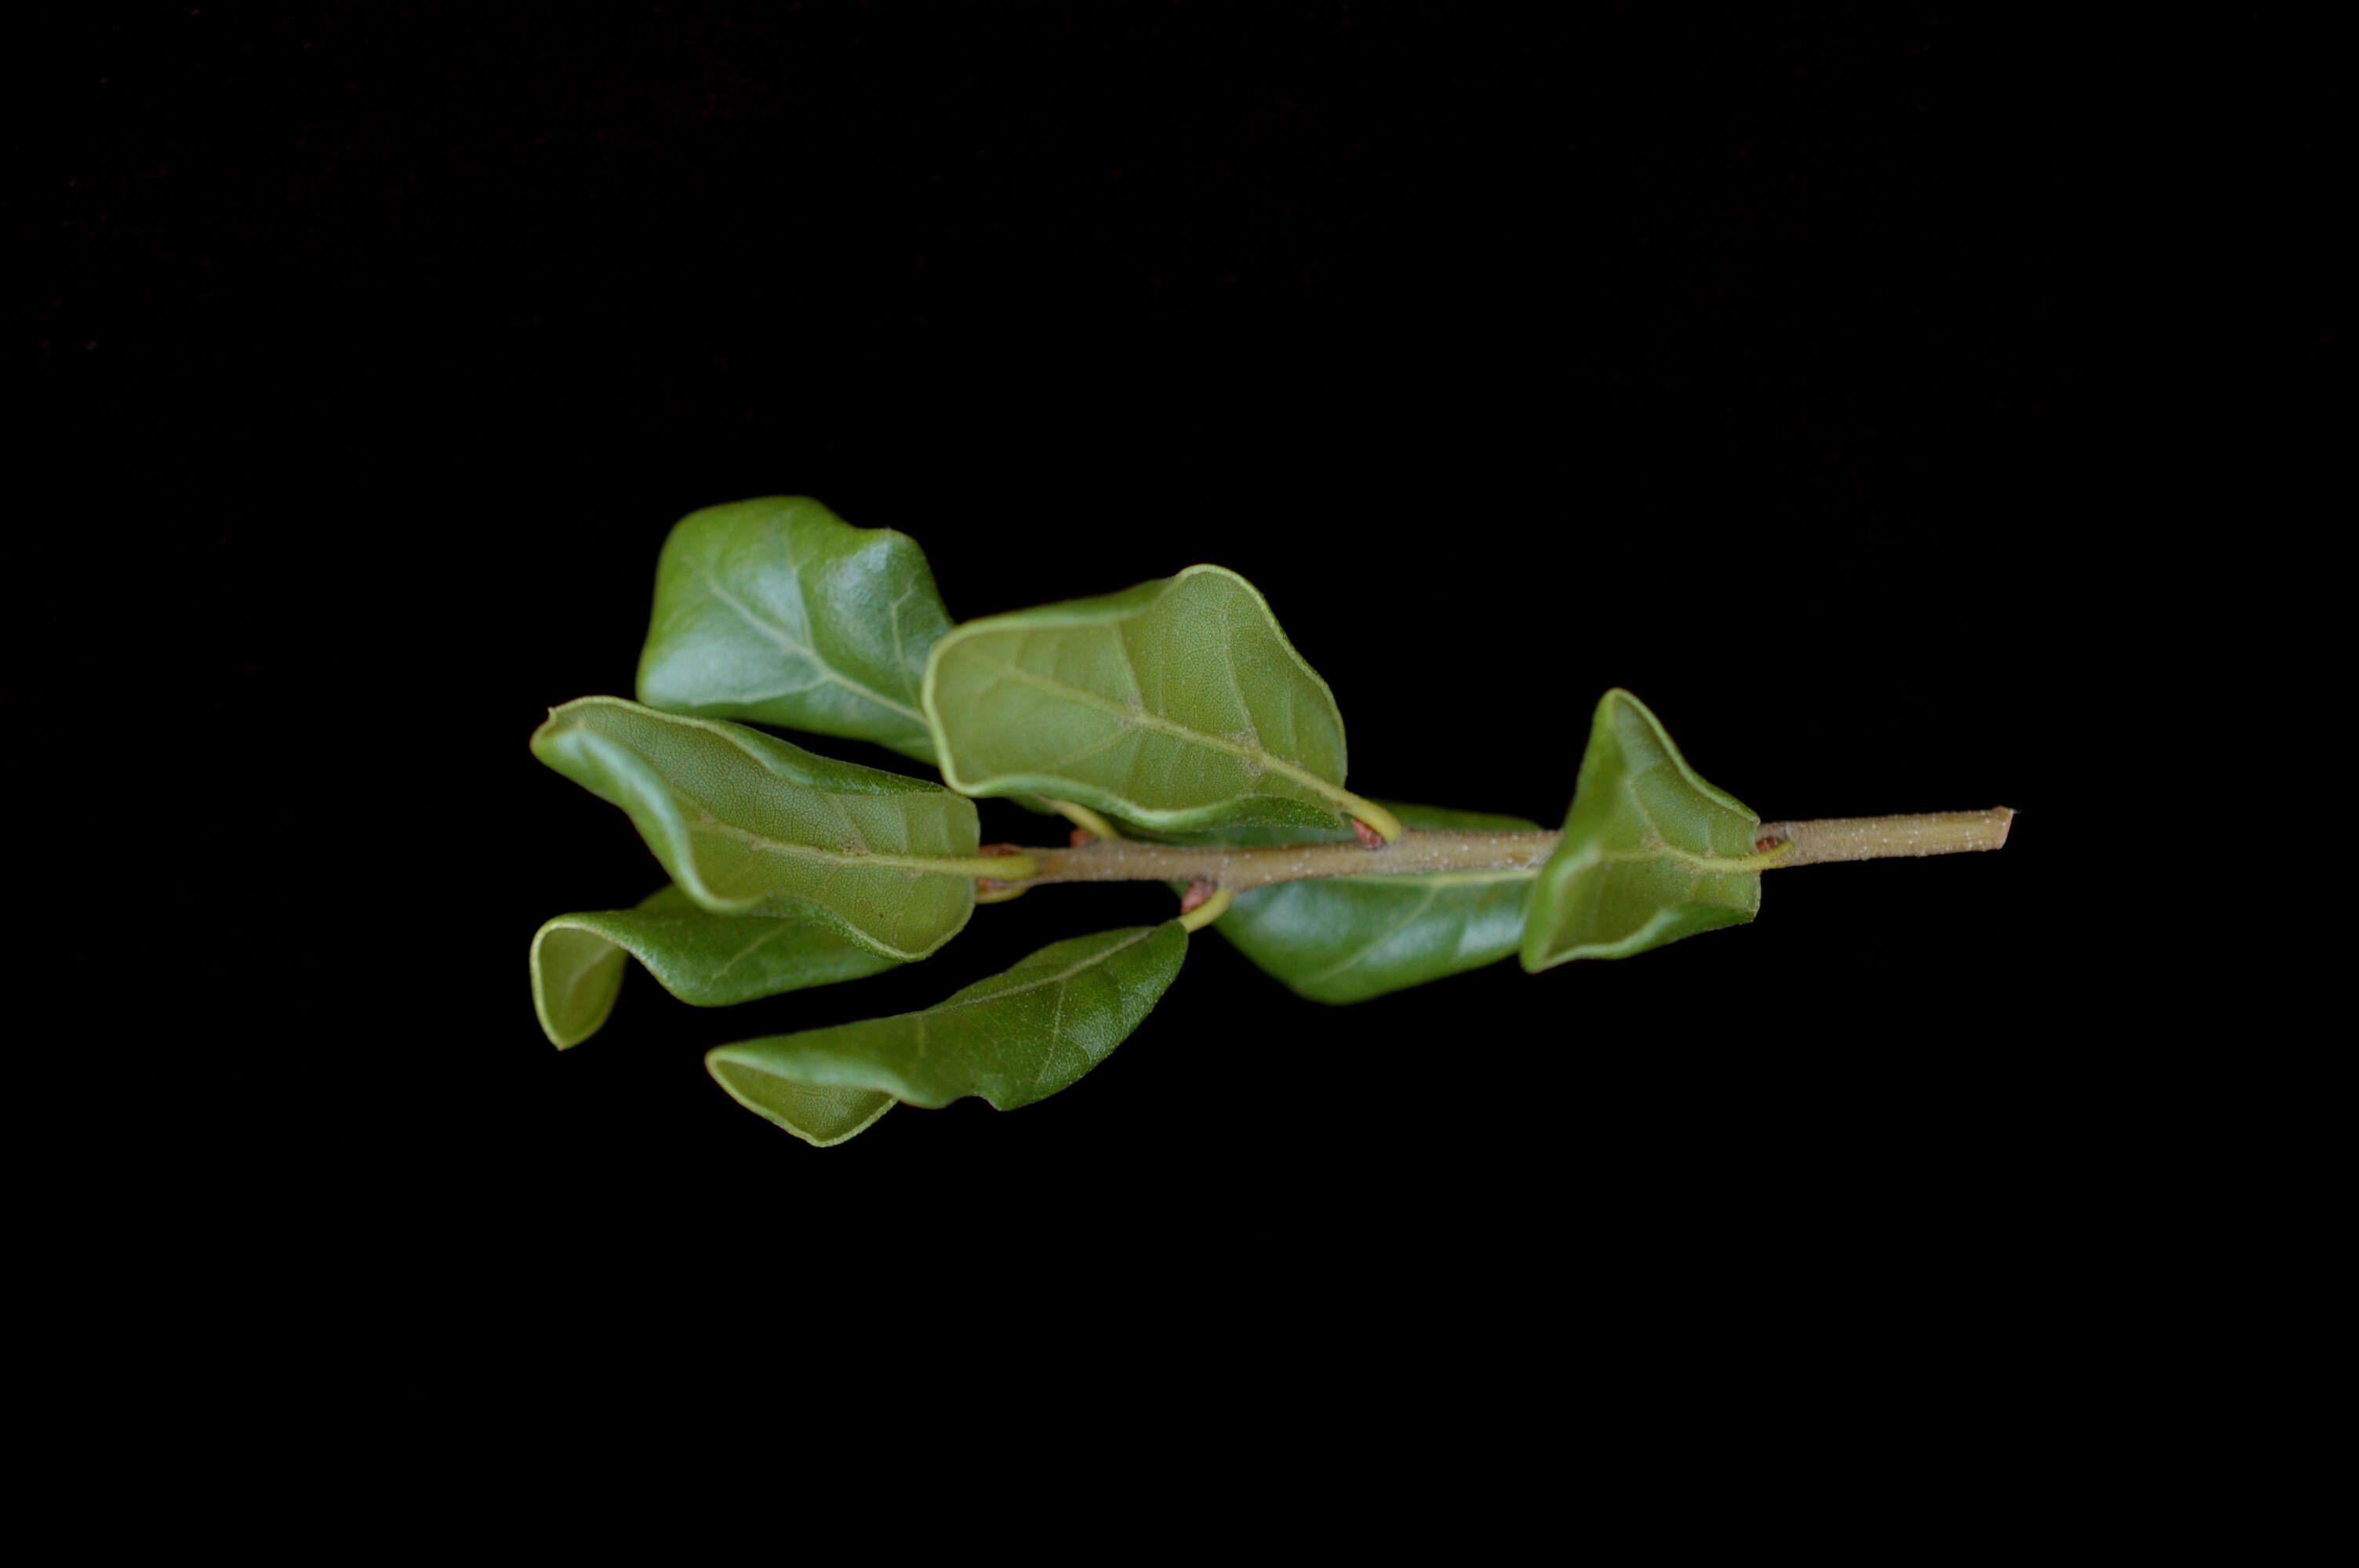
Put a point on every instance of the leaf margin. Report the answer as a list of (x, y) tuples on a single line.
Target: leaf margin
[(613, 928), (820, 1068)]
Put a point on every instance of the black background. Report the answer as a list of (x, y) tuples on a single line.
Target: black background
[(1731, 358)]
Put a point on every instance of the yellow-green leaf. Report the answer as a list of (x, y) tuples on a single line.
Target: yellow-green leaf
[(1013, 1039), (704, 959), (748, 824), (1178, 704), (1650, 851)]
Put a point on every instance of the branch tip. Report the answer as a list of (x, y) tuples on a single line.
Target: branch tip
[(1885, 838)]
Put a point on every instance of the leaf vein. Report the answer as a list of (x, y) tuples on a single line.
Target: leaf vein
[(1062, 975), (1172, 726), (828, 674), (1390, 932)]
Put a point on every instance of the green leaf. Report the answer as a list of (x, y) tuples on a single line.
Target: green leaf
[(1177, 704), (1345, 939), (1650, 853), (749, 825), (705, 959), (778, 612), (1013, 1039)]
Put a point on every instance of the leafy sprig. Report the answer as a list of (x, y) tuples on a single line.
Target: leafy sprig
[(1180, 731)]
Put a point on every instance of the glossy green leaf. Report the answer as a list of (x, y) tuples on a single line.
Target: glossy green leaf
[(1345, 939), (1178, 704), (705, 959), (1013, 1039), (1650, 853), (778, 612), (748, 824)]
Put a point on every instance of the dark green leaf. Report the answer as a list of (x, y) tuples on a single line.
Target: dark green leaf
[(705, 959), (1013, 1039), (749, 825), (1344, 939), (1178, 704), (1650, 853), (778, 612)]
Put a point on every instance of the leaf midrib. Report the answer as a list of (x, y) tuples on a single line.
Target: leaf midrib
[(939, 865), (1058, 978), (1435, 885), (1142, 719), (709, 821), (1662, 849), (1701, 864), (826, 671)]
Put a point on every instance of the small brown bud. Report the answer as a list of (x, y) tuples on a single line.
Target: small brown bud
[(1081, 837), (1198, 891), (1369, 838)]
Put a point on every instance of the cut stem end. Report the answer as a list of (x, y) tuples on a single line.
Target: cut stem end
[(1883, 837)]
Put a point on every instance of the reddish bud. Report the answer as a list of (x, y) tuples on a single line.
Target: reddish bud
[(1369, 838), (1198, 891), (1081, 838)]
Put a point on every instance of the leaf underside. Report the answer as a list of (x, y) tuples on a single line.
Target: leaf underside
[(748, 825), (1013, 1039), (1346, 939), (819, 1114), (1626, 877), (778, 612), (1177, 704), (704, 959)]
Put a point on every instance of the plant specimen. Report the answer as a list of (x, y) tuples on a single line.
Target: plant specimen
[(1185, 740)]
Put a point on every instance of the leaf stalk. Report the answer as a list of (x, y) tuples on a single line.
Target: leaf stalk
[(1386, 824), (1209, 910), (1082, 817)]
